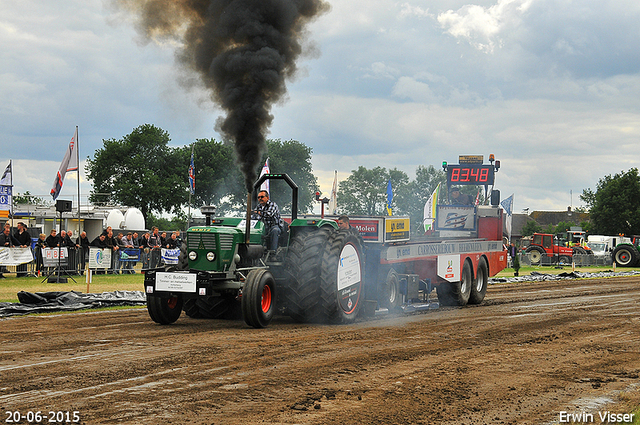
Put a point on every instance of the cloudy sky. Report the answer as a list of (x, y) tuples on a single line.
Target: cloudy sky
[(551, 87)]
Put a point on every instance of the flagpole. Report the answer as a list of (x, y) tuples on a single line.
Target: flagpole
[(190, 189), (78, 174), (11, 206)]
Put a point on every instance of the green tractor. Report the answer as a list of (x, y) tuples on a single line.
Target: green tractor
[(225, 271), (626, 254)]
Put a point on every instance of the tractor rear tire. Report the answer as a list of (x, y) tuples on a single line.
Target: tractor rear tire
[(479, 288), (535, 254), (342, 277), (625, 255), (303, 262), (164, 310), (259, 298), (578, 250)]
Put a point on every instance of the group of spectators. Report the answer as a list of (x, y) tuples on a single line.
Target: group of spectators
[(148, 247)]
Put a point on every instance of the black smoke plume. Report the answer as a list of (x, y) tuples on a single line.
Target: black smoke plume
[(243, 50)]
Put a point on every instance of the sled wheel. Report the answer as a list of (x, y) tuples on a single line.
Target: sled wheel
[(392, 297), (461, 291), (479, 289), (164, 310), (258, 298)]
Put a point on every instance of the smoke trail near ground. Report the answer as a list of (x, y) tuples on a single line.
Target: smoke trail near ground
[(243, 50)]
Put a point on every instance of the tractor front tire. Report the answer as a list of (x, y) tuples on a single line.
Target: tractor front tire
[(535, 254), (164, 310), (259, 298)]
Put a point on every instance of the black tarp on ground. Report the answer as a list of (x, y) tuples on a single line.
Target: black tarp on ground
[(45, 302)]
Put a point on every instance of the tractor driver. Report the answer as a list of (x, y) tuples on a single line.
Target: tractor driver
[(458, 198), (268, 212)]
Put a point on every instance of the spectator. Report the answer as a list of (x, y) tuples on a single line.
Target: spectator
[(53, 240), (22, 240), (6, 240), (83, 244), (40, 245), (172, 242), (155, 243), (68, 242)]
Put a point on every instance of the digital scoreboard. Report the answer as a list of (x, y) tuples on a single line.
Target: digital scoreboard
[(471, 174)]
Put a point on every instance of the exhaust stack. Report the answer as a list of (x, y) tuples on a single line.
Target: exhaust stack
[(248, 220)]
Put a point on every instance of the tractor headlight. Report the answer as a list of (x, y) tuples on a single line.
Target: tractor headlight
[(211, 256), (193, 255)]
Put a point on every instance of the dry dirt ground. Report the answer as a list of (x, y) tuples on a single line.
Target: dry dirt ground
[(530, 352)]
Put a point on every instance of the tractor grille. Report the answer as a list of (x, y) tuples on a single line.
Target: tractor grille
[(226, 242), (202, 241), (208, 241)]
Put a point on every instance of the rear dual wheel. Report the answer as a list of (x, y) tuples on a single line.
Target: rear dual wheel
[(342, 277), (457, 293), (479, 288)]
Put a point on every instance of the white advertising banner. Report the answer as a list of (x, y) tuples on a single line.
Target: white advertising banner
[(15, 256), (99, 258)]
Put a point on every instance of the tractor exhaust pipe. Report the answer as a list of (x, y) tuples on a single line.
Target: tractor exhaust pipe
[(248, 220)]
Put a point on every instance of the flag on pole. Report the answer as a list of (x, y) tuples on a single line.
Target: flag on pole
[(507, 204), (477, 198), (389, 197), (6, 188), (69, 163), (333, 199), (7, 178), (430, 209), (265, 170), (192, 175)]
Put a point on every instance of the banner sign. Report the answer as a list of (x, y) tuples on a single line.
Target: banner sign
[(15, 256), (452, 217), (50, 256), (99, 258), (5, 197), (129, 255), (170, 256)]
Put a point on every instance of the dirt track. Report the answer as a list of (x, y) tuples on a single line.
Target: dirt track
[(528, 353)]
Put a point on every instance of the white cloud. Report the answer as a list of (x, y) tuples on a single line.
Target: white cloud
[(482, 26)]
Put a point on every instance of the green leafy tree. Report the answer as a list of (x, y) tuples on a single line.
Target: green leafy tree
[(419, 191), (615, 205), (293, 158), (28, 198), (531, 227), (140, 170), (364, 192), (218, 179)]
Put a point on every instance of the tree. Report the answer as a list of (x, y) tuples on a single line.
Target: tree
[(218, 179), (293, 158), (364, 192), (615, 205), (419, 191), (531, 227), (140, 170), (28, 198)]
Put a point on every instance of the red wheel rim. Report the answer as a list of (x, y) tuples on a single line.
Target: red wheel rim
[(172, 302), (266, 298)]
